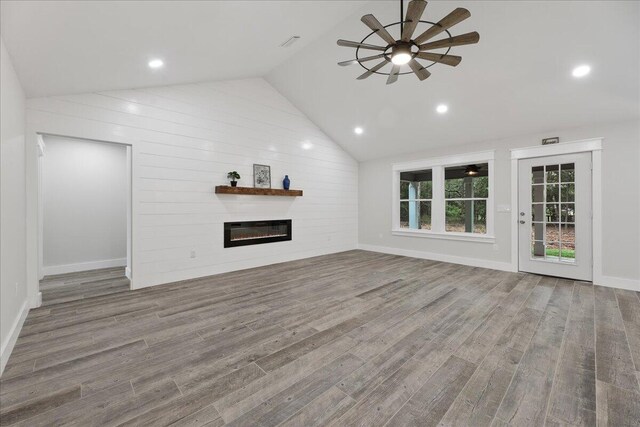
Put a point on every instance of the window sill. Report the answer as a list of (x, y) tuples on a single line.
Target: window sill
[(479, 238)]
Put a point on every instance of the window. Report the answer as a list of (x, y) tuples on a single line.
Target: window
[(466, 190), (447, 198), (416, 190)]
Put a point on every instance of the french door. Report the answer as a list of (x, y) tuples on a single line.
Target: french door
[(554, 230)]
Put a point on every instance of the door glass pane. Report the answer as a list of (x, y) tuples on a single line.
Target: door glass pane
[(537, 231), (537, 212), (537, 175), (552, 251), (552, 233), (568, 232), (567, 192), (568, 172), (567, 212), (553, 193), (537, 193), (568, 253), (552, 173), (568, 244), (552, 212), (537, 249)]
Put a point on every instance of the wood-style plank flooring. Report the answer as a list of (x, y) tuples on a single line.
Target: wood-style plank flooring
[(84, 284), (356, 338)]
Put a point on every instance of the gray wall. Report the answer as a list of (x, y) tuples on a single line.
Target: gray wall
[(13, 291), (621, 199), (85, 205)]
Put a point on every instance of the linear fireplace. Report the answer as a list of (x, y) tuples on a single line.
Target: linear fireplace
[(256, 232)]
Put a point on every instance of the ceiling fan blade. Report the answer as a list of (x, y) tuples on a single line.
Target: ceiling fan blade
[(419, 70), (468, 38), (347, 43), (375, 25), (414, 13), (393, 76), (442, 59), (457, 16), (355, 61), (372, 70)]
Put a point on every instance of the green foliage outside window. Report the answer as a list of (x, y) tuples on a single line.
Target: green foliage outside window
[(455, 212)]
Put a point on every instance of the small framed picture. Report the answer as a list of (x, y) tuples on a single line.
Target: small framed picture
[(261, 176), (554, 140)]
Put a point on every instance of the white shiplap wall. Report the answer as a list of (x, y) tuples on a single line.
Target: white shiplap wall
[(184, 141)]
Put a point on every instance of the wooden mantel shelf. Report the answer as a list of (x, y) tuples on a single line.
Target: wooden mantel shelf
[(226, 189)]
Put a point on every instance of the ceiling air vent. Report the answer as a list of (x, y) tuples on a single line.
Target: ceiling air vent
[(291, 40)]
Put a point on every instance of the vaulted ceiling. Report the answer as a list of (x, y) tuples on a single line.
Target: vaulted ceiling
[(62, 47), (517, 80)]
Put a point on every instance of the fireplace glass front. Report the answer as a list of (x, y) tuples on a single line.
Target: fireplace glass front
[(256, 232)]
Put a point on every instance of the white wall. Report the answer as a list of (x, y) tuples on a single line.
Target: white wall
[(621, 203), (13, 280), (184, 141), (85, 205)]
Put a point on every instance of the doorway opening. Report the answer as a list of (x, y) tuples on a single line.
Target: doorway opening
[(85, 218)]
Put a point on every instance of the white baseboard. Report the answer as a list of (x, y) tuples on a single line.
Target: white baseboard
[(618, 282), (83, 266), (473, 262), (140, 281), (609, 281), (36, 301), (12, 337), (127, 272)]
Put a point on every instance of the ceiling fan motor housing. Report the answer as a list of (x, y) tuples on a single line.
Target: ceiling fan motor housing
[(401, 47)]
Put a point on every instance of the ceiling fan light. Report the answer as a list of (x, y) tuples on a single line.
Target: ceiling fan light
[(471, 170), (401, 54), (401, 58)]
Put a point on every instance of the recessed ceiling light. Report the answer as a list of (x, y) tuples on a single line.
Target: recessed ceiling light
[(442, 108), (581, 71), (358, 130), (156, 63), (307, 145)]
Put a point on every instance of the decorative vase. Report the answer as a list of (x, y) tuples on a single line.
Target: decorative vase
[(234, 183), (286, 182)]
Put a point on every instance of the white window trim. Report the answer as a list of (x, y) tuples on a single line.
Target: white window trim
[(437, 165)]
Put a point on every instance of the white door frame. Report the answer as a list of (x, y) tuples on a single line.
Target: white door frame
[(36, 295), (588, 145)]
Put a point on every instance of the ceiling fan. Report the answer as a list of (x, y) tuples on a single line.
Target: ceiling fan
[(407, 50)]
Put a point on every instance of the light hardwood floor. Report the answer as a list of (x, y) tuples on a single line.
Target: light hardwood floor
[(83, 284), (355, 338)]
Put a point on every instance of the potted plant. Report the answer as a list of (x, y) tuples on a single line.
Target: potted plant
[(233, 176)]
